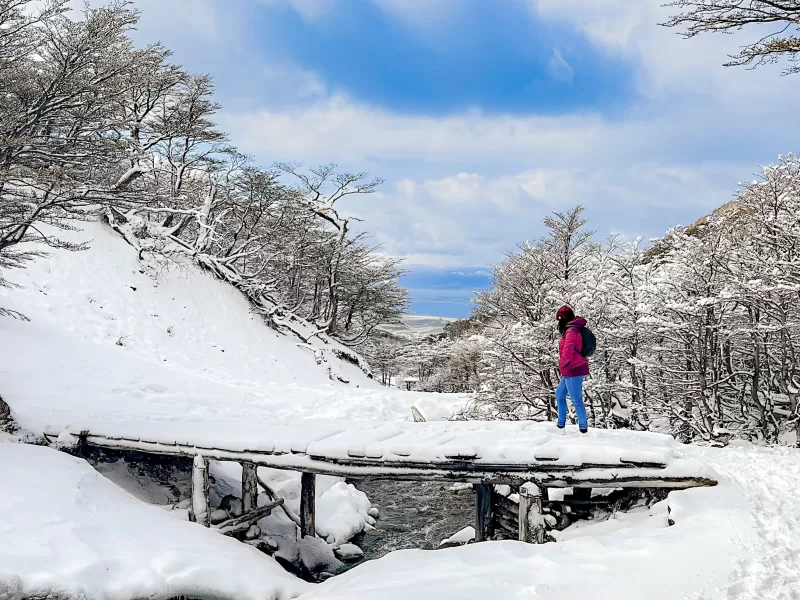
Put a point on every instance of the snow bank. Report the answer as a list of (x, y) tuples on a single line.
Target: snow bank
[(736, 540), (635, 556), (66, 530), (343, 512), (87, 380), (439, 407)]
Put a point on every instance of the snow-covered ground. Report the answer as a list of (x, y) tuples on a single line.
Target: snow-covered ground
[(68, 532), (738, 540)]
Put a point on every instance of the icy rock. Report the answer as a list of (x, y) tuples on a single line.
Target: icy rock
[(317, 557), (233, 505), (218, 516), (374, 512), (503, 490), (183, 504), (10, 586), (342, 512), (253, 532), (461, 538), (371, 520), (261, 545), (460, 487), (551, 521), (368, 528), (348, 552), (271, 543), (66, 441)]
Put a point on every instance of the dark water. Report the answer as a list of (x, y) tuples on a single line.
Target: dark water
[(414, 514)]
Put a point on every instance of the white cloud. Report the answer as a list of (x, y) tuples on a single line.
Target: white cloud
[(288, 83), (665, 64), (310, 10), (559, 68), (465, 187), (420, 13), (355, 133), (455, 221), (179, 18)]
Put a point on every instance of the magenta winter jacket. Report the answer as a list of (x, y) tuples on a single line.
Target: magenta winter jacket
[(570, 361)]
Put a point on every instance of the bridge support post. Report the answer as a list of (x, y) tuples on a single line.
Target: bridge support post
[(484, 509), (199, 511), (249, 487), (307, 504), (531, 520)]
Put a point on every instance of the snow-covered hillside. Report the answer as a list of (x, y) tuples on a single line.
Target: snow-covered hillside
[(111, 335)]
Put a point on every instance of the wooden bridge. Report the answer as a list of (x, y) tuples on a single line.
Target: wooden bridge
[(528, 455)]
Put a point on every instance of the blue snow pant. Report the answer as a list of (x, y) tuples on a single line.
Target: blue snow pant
[(574, 387)]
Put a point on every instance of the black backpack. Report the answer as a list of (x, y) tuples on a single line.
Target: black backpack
[(588, 342)]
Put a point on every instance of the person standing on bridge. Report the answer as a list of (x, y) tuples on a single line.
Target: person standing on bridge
[(573, 365)]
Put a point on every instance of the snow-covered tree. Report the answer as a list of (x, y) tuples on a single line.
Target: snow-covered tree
[(91, 125)]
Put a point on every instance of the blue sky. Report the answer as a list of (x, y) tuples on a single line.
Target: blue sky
[(483, 117)]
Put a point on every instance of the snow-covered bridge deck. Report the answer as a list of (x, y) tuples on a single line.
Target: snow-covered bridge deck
[(470, 451), (523, 453)]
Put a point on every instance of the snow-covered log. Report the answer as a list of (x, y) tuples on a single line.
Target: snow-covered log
[(531, 521), (247, 520), (274, 496)]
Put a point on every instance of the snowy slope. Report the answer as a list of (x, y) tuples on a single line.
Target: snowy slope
[(68, 531), (170, 312), (111, 336)]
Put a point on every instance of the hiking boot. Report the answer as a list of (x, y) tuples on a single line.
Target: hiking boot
[(584, 431)]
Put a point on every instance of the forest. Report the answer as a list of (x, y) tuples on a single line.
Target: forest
[(697, 331)]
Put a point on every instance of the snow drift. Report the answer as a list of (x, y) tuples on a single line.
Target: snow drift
[(67, 531)]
